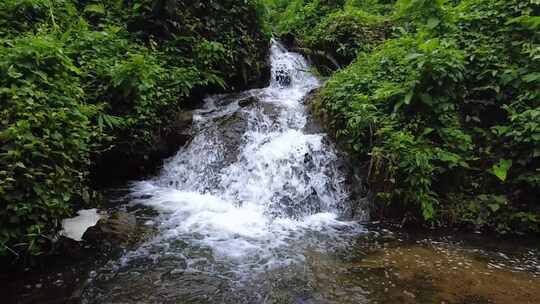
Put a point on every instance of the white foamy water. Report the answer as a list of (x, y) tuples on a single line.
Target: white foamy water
[(251, 195)]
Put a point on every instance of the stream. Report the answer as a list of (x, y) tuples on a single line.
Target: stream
[(255, 209), (245, 200)]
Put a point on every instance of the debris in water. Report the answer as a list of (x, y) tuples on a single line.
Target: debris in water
[(75, 227)]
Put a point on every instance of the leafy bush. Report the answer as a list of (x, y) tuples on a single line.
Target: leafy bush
[(80, 80), (19, 15), (46, 137), (346, 33), (429, 14), (336, 31), (234, 27), (387, 105), (445, 114)]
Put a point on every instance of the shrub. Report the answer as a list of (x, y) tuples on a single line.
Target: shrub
[(333, 32), (80, 80), (21, 15), (46, 138), (445, 114), (346, 33)]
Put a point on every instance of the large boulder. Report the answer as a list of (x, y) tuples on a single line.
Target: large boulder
[(231, 129), (247, 101), (313, 125), (183, 122), (119, 230)]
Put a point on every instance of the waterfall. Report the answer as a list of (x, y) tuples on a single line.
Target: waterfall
[(251, 191)]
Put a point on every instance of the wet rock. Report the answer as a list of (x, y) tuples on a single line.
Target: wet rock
[(271, 110), (310, 96), (179, 135), (288, 40), (232, 129), (183, 121), (313, 125), (283, 78), (125, 162), (387, 236), (308, 161), (116, 231), (70, 248), (227, 99), (247, 102)]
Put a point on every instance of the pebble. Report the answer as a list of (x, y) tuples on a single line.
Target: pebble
[(409, 294)]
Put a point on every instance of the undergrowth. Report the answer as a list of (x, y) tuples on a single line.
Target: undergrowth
[(440, 103), (80, 79)]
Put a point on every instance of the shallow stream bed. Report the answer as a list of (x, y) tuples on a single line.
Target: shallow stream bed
[(378, 266)]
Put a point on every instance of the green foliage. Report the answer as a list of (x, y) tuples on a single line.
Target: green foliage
[(46, 135), (22, 15), (388, 106), (181, 26), (426, 13), (345, 33), (335, 30), (446, 112), (500, 170), (81, 79)]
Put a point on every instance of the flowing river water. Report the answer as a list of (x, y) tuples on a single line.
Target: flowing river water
[(255, 209), (244, 200)]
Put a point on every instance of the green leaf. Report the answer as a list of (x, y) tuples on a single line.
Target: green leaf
[(500, 130), (13, 74), (533, 77), (413, 56), (427, 131), (408, 97), (433, 22), (427, 99), (494, 207), (95, 9), (500, 170)]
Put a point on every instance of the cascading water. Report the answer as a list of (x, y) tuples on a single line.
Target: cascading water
[(249, 195)]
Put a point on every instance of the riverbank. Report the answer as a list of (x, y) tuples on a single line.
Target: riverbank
[(437, 103)]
